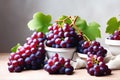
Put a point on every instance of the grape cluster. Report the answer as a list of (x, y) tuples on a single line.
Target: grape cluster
[(93, 47), (115, 35), (61, 36), (29, 56), (96, 66), (58, 65)]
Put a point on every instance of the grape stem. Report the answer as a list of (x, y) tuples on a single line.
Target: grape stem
[(63, 21), (73, 24), (73, 20)]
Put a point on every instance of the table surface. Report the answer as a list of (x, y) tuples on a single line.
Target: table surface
[(80, 74)]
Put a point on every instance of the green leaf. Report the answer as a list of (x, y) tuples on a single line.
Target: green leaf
[(40, 22), (14, 49), (112, 25), (81, 23), (92, 30), (62, 18)]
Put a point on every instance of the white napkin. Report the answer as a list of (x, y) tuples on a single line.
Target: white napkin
[(78, 62), (113, 62)]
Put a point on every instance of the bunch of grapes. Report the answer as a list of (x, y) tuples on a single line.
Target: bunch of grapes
[(29, 56), (58, 65), (61, 36), (96, 66), (115, 35), (92, 47)]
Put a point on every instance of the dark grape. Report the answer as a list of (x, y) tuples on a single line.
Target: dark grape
[(68, 71)]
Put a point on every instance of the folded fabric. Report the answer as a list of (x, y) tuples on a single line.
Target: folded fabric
[(113, 62)]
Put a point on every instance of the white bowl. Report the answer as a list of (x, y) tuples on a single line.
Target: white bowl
[(113, 46), (67, 53)]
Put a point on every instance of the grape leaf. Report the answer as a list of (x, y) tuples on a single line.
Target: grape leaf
[(40, 22), (112, 25), (81, 23), (91, 30), (14, 49)]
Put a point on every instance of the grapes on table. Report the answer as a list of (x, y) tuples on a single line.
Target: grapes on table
[(29, 56), (96, 66), (58, 65)]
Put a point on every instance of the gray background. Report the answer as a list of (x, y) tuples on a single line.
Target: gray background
[(15, 14)]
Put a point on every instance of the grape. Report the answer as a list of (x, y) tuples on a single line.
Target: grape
[(17, 69), (58, 65), (63, 44), (62, 70), (29, 56), (62, 60), (68, 71), (115, 35), (50, 62), (61, 37), (96, 66), (58, 41), (11, 68)]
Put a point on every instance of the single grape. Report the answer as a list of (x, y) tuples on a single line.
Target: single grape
[(68, 71)]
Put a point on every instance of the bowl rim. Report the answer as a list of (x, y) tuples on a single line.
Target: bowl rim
[(112, 42), (60, 49)]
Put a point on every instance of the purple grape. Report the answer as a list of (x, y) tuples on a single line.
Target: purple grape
[(62, 70), (68, 71)]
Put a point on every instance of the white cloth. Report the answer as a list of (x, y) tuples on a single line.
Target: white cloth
[(113, 62)]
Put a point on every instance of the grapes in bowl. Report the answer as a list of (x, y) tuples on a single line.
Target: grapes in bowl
[(61, 40), (113, 42)]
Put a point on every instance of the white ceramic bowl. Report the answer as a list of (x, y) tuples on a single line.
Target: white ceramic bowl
[(67, 53), (113, 46)]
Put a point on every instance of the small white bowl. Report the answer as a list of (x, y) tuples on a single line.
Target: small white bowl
[(67, 53), (113, 46)]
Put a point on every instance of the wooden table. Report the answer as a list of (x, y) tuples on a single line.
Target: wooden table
[(80, 74)]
